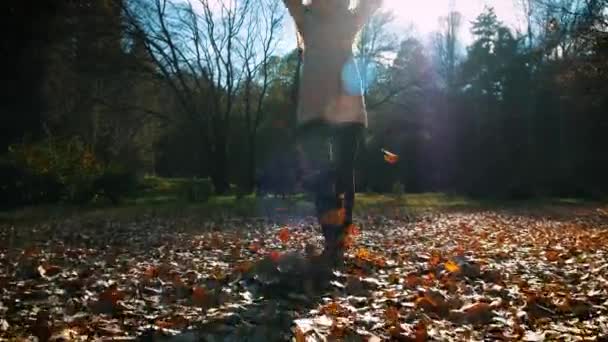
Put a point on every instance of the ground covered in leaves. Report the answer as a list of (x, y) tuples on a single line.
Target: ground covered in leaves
[(437, 276)]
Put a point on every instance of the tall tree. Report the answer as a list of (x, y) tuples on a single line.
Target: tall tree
[(194, 48), (257, 50)]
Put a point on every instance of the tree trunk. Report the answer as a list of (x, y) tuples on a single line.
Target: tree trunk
[(251, 165), (219, 175)]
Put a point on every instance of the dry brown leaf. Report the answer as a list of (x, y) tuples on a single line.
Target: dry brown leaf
[(199, 296), (478, 313), (334, 309), (552, 256), (299, 335), (420, 332), (412, 281), (391, 314)]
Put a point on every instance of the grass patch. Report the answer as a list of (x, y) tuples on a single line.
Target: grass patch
[(162, 197)]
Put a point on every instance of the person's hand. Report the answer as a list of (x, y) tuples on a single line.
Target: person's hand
[(376, 4), (371, 5), (365, 10)]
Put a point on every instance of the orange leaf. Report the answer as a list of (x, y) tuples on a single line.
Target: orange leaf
[(300, 337), (151, 272), (552, 255), (429, 279), (177, 322), (363, 254), (352, 230), (421, 333), (199, 296), (390, 157), (111, 295), (452, 267), (412, 281), (348, 241), (336, 332), (393, 278), (275, 256), (50, 270), (244, 266), (435, 259), (333, 309), (284, 235), (392, 315), (254, 247)]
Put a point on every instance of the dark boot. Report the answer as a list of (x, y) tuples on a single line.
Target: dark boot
[(333, 253)]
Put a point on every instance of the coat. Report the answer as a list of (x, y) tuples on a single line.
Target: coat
[(330, 89)]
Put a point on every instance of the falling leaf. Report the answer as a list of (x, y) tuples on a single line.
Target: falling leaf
[(284, 235), (390, 157), (452, 267)]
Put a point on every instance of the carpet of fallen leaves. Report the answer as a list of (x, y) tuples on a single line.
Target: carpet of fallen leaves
[(440, 276)]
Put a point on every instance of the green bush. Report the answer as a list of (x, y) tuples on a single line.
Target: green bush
[(115, 182), (54, 170), (18, 187), (198, 190)]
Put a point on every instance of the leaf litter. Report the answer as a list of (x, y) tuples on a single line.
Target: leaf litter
[(443, 276)]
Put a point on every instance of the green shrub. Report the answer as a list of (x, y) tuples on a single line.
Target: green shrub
[(18, 186), (115, 182), (198, 190), (53, 170)]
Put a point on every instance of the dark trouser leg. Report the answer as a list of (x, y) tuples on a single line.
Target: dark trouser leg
[(317, 174), (345, 143), (347, 140), (329, 155)]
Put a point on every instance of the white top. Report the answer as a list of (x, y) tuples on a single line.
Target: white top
[(330, 86)]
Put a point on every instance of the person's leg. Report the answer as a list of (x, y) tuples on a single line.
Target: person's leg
[(327, 156), (346, 140), (316, 169)]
